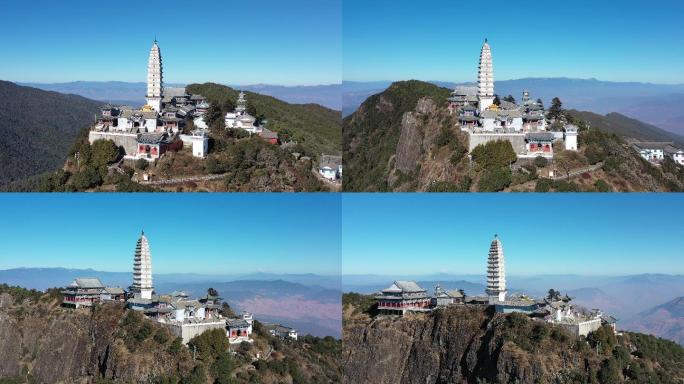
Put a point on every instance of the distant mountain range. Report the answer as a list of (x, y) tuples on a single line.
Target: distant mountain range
[(119, 92), (665, 320), (656, 104), (43, 278), (639, 302), (627, 127), (38, 128), (308, 302)]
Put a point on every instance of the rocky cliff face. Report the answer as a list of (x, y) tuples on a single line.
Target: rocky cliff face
[(468, 345), (420, 153), (391, 132), (53, 345), (452, 346), (43, 343)]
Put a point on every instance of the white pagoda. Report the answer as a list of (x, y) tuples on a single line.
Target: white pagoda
[(142, 269), (485, 78), (155, 90), (496, 272)]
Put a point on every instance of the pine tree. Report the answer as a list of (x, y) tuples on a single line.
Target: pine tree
[(556, 110)]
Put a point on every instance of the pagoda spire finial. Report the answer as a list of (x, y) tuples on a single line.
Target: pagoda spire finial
[(142, 232), (485, 39)]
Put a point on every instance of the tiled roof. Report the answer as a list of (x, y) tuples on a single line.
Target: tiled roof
[(268, 134), (651, 145), (405, 286), (88, 282), (237, 323), (330, 161), (464, 91), (539, 136), (115, 290), (150, 138)]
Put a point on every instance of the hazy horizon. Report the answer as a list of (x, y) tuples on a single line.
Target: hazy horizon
[(474, 81), (173, 84), (130, 270), (581, 39)]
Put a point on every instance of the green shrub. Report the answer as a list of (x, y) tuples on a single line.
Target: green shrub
[(594, 154), (176, 346), (495, 180), (104, 152), (143, 332), (222, 369), (610, 372), (565, 186), (210, 344), (494, 154), (540, 162), (198, 376), (142, 164), (444, 137), (602, 186), (539, 332), (161, 336), (543, 185), (215, 166), (88, 178)]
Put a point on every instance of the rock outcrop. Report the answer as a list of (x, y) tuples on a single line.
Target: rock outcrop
[(473, 345), (54, 345)]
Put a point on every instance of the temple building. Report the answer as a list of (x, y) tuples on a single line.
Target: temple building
[(281, 331), (496, 272), (402, 297), (570, 137), (88, 291), (83, 292), (142, 269), (239, 330), (330, 167), (155, 128), (462, 96), (524, 125), (576, 320), (674, 153), (656, 152), (444, 298), (241, 119), (540, 143), (113, 294)]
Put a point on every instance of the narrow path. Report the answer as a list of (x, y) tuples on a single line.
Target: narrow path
[(270, 350), (578, 172), (181, 180)]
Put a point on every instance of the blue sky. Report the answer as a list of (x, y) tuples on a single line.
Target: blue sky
[(202, 233), (587, 234), (629, 40), (294, 42)]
